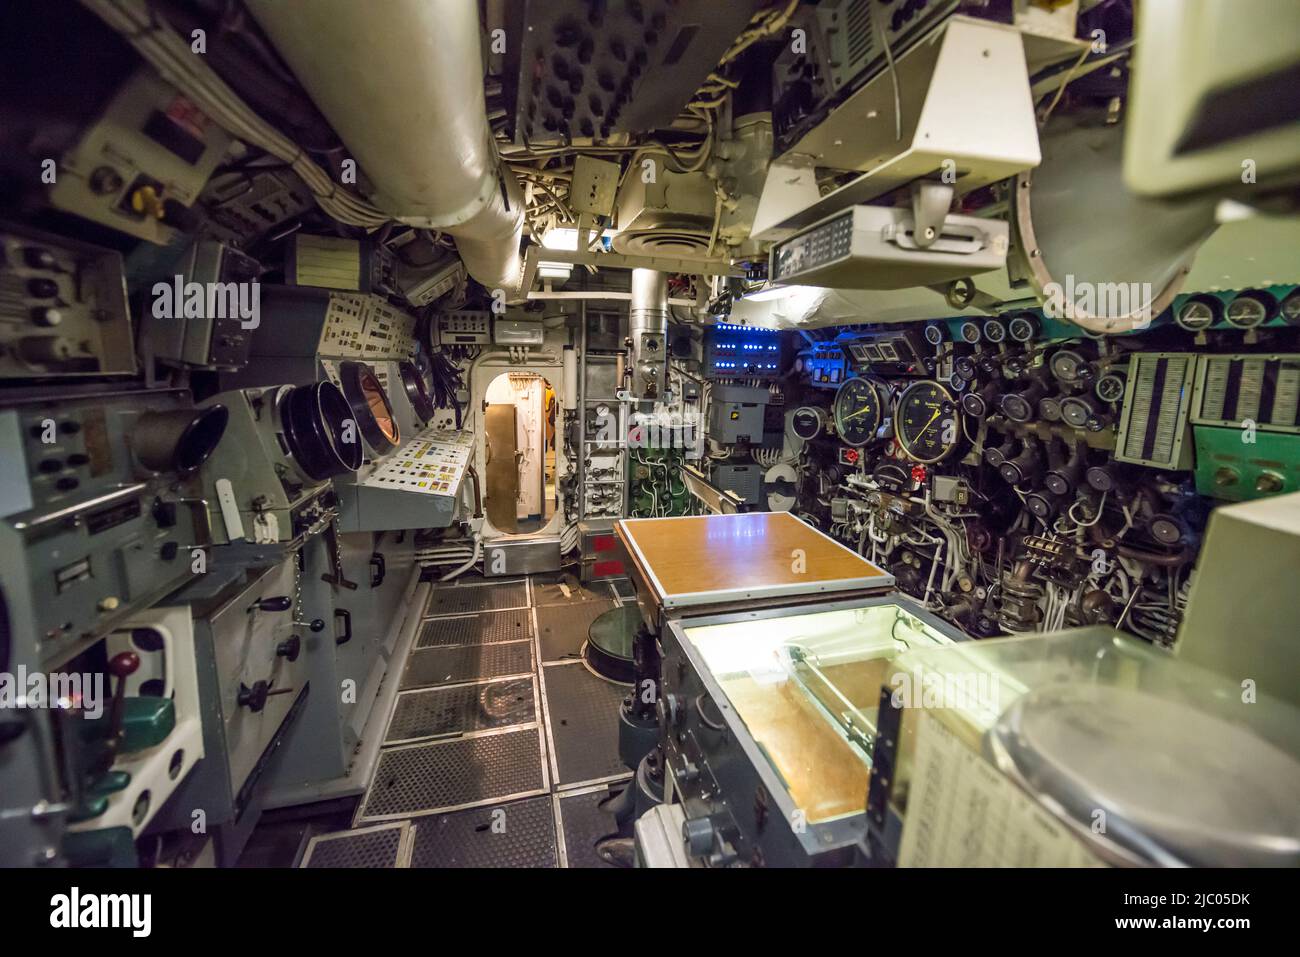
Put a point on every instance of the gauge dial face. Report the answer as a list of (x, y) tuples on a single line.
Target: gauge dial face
[(1022, 328), (807, 422), (994, 331), (857, 411), (1290, 308), (1110, 387), (970, 332), (1246, 312), (1195, 315), (927, 423), (934, 334), (1067, 365)]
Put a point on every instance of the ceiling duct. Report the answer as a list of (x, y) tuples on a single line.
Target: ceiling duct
[(404, 90), (671, 215)]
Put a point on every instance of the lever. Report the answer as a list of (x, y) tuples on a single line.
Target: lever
[(254, 698), (289, 648), (122, 665), (315, 625), (277, 603)]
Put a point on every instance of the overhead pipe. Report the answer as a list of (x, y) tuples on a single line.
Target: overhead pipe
[(403, 87)]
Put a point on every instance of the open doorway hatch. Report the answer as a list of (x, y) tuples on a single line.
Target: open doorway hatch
[(519, 451)]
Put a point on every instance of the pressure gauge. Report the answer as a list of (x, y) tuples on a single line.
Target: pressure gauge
[(1290, 308), (927, 422), (1249, 310), (1110, 387), (858, 412), (1023, 328), (1198, 313), (808, 422), (995, 331), (970, 332), (934, 333), (1066, 365)]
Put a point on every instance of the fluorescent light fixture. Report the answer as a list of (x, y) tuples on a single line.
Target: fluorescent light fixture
[(561, 237), (768, 293), (558, 238)]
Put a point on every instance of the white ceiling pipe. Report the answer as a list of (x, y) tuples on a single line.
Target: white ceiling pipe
[(402, 84)]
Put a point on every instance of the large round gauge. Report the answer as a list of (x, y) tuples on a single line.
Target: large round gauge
[(995, 331), (857, 411), (927, 423), (1249, 310)]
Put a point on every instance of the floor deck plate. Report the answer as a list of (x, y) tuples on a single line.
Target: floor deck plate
[(466, 599), (583, 823), (562, 629), (445, 775), (583, 712), (519, 834), (485, 628), (429, 667), (463, 708), (385, 845)]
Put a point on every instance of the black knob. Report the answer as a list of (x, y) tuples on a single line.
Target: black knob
[(1079, 410), (1041, 505), (289, 648), (50, 466), (979, 403), (1023, 466), (998, 454), (254, 698), (1064, 479), (164, 513), (1020, 406), (42, 288), (1102, 478)]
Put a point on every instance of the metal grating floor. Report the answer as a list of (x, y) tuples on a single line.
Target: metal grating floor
[(372, 847), (482, 629), (445, 775), (563, 628), (467, 599), (471, 761), (583, 822), (462, 708), (583, 713), (519, 834), (428, 667)]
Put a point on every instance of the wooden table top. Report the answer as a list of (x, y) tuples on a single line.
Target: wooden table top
[(711, 559)]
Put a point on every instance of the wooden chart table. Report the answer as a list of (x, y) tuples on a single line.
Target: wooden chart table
[(691, 562)]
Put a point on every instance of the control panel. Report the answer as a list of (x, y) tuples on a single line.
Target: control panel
[(97, 515), (826, 366), (742, 352), (63, 308)]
